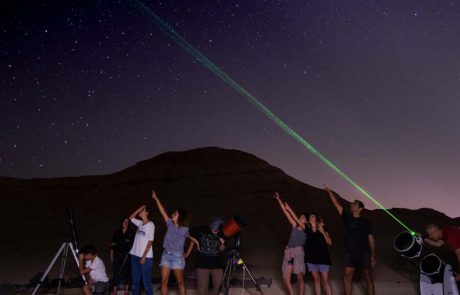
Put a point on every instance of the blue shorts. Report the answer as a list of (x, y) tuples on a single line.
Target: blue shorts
[(318, 267), (172, 260)]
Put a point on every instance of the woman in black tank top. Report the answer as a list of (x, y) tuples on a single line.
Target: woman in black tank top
[(317, 257)]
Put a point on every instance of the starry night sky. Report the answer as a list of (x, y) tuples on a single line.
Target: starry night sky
[(92, 87)]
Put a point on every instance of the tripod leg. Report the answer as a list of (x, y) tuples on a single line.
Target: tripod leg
[(229, 276), (227, 269), (252, 278), (117, 273), (62, 270), (74, 254), (53, 261)]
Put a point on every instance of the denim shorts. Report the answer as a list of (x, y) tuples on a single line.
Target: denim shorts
[(172, 260), (318, 267)]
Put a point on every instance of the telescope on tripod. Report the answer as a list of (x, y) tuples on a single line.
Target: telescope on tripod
[(231, 229), (436, 277), (70, 245)]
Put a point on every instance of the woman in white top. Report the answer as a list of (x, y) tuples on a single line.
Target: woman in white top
[(141, 252)]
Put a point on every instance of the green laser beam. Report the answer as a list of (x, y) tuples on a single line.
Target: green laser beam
[(168, 30)]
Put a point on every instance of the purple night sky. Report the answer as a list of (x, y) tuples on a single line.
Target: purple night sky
[(92, 87)]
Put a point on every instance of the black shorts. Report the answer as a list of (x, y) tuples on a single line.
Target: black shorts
[(358, 260)]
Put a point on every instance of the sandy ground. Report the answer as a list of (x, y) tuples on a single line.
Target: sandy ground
[(386, 282), (275, 289), (264, 263)]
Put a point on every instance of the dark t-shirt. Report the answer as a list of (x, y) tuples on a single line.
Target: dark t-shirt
[(315, 248), (210, 255), (357, 230), (122, 242), (451, 235)]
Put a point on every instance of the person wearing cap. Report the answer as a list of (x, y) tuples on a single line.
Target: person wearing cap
[(209, 258)]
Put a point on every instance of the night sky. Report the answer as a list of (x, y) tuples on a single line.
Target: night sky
[(93, 87)]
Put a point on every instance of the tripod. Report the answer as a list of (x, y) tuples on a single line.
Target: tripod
[(118, 273), (233, 261), (63, 251)]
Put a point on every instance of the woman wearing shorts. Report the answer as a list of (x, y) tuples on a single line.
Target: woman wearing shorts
[(293, 260), (317, 259), (173, 257)]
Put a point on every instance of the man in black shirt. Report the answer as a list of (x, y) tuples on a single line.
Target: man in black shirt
[(360, 243)]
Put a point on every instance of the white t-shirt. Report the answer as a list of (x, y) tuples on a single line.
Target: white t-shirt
[(97, 274), (144, 234)]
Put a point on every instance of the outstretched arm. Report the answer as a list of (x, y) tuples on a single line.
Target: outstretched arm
[(135, 213), (160, 206), (334, 200), (293, 215), (276, 196)]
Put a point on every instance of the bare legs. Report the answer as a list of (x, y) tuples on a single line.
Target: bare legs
[(348, 277), (321, 278), (287, 280)]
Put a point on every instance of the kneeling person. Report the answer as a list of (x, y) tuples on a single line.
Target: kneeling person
[(92, 265)]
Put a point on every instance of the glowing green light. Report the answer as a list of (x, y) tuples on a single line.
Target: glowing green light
[(249, 97)]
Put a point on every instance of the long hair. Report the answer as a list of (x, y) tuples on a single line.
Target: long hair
[(307, 216), (130, 230), (184, 217)]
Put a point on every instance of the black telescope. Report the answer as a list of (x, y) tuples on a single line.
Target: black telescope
[(73, 238)]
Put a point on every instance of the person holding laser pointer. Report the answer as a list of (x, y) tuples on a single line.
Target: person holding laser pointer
[(360, 243)]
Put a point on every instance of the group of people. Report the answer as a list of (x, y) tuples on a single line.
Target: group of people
[(132, 254), (309, 240), (307, 250)]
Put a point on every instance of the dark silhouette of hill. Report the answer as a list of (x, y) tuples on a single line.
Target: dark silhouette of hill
[(207, 181)]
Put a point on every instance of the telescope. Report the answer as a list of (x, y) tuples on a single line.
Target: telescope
[(70, 245), (436, 276), (233, 226)]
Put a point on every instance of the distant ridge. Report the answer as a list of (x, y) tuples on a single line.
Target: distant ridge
[(207, 181)]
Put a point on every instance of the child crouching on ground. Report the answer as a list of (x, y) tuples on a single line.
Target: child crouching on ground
[(91, 265)]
